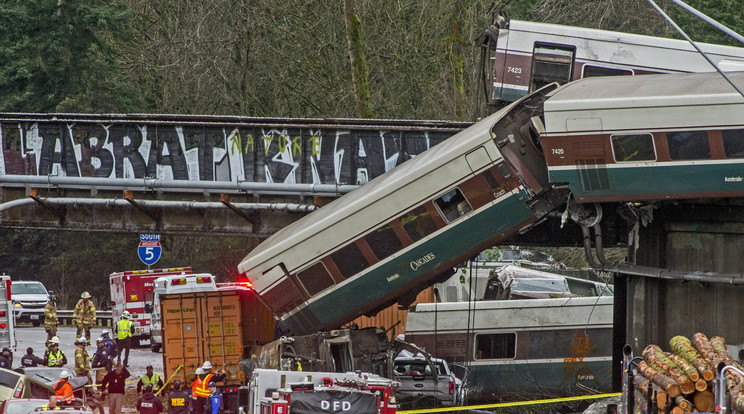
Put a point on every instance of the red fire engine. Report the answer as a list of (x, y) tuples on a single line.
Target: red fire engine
[(131, 290)]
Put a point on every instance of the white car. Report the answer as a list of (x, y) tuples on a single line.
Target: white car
[(29, 299)]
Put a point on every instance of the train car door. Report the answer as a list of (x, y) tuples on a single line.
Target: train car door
[(551, 63)]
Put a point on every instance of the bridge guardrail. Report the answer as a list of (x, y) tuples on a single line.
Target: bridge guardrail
[(104, 318)]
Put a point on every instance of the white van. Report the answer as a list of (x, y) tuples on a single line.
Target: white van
[(174, 284)]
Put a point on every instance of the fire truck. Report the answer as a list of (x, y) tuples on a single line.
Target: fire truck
[(283, 392), (131, 290)]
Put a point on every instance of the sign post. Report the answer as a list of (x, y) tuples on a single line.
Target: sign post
[(149, 249)]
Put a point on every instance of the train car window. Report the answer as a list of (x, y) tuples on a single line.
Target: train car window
[(589, 71), (495, 346), (688, 145), (315, 279), (504, 170), (551, 63), (383, 241), (349, 260), (418, 223), (733, 142), (633, 147), (453, 205)]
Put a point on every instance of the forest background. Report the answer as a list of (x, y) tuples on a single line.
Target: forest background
[(400, 59)]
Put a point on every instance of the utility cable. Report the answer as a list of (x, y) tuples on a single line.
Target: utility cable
[(679, 29)]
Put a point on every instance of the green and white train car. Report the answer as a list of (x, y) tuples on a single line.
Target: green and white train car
[(521, 349), (408, 228), (645, 138)]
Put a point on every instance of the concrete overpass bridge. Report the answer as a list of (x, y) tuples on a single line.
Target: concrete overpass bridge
[(174, 174)]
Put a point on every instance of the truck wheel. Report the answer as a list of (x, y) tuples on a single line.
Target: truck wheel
[(155, 347), (36, 324)]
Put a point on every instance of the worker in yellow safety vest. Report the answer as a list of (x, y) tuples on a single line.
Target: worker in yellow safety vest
[(150, 378), (201, 391), (124, 331), (54, 357)]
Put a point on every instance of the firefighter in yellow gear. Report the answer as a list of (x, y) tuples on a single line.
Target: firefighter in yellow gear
[(51, 321), (84, 315), (82, 359)]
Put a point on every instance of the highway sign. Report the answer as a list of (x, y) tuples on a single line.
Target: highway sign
[(149, 249)]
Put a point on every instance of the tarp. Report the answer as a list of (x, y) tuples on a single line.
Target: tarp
[(332, 402)]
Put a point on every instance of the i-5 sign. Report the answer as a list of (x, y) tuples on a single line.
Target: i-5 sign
[(149, 249)]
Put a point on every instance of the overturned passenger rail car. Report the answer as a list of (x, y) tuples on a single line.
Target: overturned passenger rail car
[(406, 229)]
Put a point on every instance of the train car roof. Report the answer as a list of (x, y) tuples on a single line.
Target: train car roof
[(347, 205), (625, 102), (598, 35)]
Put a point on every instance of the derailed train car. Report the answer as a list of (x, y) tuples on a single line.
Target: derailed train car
[(647, 138), (407, 229)]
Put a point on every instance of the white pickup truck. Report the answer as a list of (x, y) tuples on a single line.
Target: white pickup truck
[(425, 382)]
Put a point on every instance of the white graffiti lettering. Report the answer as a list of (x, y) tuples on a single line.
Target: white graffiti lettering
[(421, 261)]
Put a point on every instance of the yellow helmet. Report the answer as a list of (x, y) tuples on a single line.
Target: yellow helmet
[(85, 295)]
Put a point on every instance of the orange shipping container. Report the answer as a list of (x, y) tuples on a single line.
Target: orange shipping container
[(221, 327)]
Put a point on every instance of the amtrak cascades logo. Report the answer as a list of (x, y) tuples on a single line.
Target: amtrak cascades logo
[(732, 179), (422, 261)]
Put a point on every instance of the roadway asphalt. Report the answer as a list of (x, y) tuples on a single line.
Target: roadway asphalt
[(28, 336)]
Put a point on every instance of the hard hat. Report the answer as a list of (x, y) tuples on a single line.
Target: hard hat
[(199, 371), (104, 332), (81, 340), (148, 367), (54, 340), (126, 315), (212, 384), (99, 340), (64, 374), (207, 365), (85, 295)]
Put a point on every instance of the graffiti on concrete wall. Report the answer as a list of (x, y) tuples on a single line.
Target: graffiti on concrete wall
[(173, 151)]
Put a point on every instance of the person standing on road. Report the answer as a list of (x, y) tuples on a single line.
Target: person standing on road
[(114, 383), (82, 359), (201, 391), (84, 315), (178, 400), (150, 378), (54, 357), (6, 360), (149, 403), (110, 345), (101, 361), (31, 360), (213, 403), (196, 383), (51, 321), (124, 331)]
